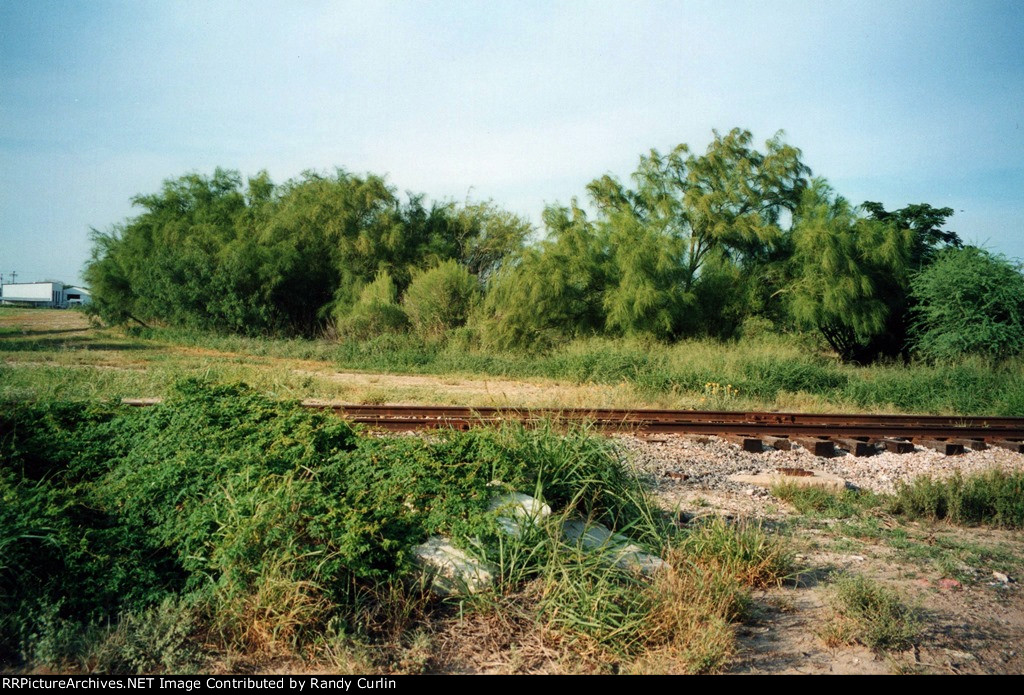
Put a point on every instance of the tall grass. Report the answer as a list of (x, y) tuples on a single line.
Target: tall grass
[(771, 370), (816, 501), (992, 498), (767, 371), (676, 619)]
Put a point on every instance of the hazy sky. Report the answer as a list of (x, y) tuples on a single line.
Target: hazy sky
[(520, 102)]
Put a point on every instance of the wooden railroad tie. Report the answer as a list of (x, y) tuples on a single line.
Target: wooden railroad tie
[(749, 444), (817, 445), (780, 443), (1014, 445), (857, 447), (943, 446), (899, 446)]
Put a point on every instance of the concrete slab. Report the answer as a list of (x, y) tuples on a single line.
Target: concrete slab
[(517, 512), (816, 479), (453, 571), (619, 550)]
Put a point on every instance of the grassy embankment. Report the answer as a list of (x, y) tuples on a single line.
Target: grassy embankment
[(771, 372), (222, 525)]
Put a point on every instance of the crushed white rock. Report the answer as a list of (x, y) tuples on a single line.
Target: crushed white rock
[(689, 462)]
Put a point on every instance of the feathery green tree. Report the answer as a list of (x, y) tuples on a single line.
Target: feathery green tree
[(552, 291), (638, 268), (841, 265), (207, 253)]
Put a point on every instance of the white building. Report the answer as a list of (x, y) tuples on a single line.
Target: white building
[(77, 295), (44, 294)]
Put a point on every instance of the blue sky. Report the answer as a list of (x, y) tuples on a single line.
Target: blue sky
[(519, 102)]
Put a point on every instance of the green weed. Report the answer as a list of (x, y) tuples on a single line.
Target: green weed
[(994, 498), (871, 614), (819, 502)]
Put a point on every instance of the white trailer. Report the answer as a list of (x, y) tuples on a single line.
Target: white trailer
[(46, 294)]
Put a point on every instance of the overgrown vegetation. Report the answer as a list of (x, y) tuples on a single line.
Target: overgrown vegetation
[(818, 501), (766, 372), (994, 498), (729, 242), (969, 302), (224, 518)]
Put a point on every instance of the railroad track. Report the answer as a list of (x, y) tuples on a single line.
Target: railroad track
[(820, 433)]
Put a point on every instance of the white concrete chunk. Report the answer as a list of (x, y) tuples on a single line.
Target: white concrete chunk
[(453, 570), (517, 511), (619, 550)]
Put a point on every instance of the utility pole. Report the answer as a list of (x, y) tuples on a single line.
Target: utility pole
[(14, 276)]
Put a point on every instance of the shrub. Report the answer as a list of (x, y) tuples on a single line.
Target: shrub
[(871, 614), (745, 552), (440, 298), (261, 521), (969, 301), (376, 312)]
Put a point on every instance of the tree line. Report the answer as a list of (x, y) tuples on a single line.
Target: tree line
[(718, 243)]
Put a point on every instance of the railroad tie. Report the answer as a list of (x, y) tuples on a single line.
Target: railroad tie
[(750, 444), (817, 445), (1014, 445), (899, 446), (943, 446), (779, 443), (857, 447)]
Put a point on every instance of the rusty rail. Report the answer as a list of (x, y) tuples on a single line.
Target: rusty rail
[(819, 432), (649, 416)]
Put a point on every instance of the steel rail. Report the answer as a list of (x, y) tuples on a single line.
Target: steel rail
[(687, 417), (773, 429), (649, 421)]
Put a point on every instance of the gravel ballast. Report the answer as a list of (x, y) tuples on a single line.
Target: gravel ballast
[(688, 462)]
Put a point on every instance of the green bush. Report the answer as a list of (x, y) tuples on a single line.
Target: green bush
[(969, 302), (440, 299), (375, 313), (266, 520)]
